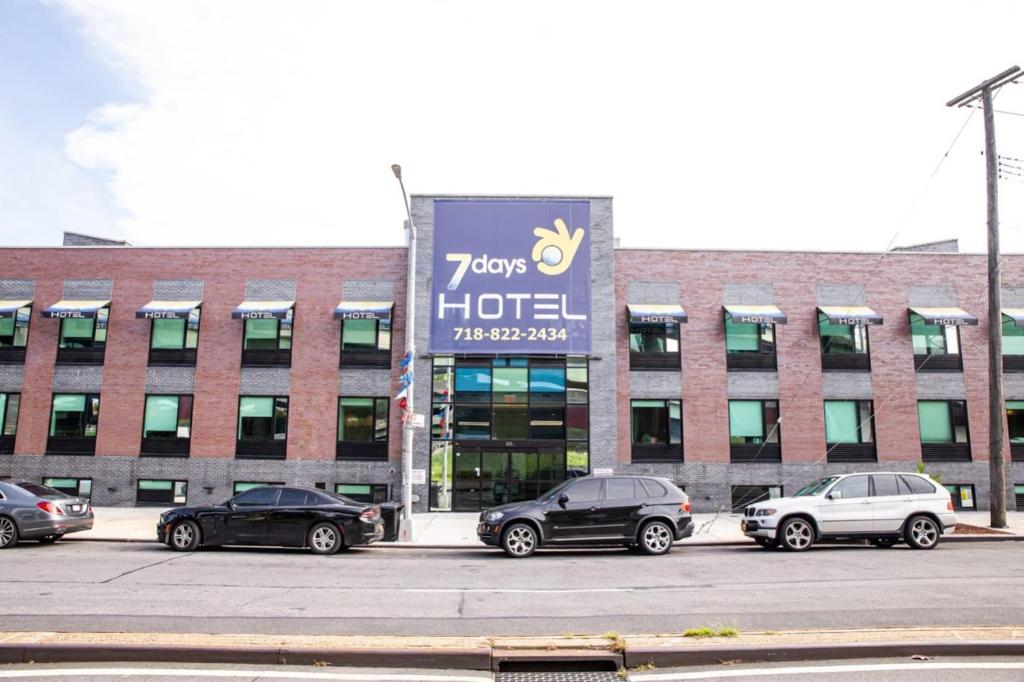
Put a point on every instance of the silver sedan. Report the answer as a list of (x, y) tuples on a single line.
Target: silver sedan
[(29, 511)]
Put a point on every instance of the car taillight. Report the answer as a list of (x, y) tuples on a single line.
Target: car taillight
[(685, 506), (949, 505), (369, 514), (50, 508)]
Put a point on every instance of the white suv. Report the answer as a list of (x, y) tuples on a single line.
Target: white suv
[(884, 507)]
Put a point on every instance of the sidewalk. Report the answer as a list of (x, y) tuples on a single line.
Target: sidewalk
[(447, 529)]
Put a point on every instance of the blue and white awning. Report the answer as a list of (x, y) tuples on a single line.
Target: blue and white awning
[(364, 310), (850, 314), (167, 310), (10, 307), (75, 308), (951, 317), (263, 310), (653, 313), (757, 314)]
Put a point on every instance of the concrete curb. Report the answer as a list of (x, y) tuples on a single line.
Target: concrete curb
[(711, 655), (451, 658), (487, 658)]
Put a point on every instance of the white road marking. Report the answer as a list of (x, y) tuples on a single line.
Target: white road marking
[(492, 590), (825, 670), (248, 674)]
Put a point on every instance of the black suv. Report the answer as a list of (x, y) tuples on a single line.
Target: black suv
[(640, 512)]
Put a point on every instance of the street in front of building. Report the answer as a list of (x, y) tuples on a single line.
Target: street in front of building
[(144, 587)]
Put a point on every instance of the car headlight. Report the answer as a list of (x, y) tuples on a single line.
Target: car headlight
[(494, 516), (765, 512)]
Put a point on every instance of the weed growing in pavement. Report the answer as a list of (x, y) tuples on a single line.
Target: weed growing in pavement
[(642, 668), (705, 631), (618, 644)]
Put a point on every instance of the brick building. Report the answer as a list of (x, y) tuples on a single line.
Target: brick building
[(174, 375)]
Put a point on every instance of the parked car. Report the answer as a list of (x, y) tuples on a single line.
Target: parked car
[(883, 507), (275, 515), (29, 511), (640, 512)]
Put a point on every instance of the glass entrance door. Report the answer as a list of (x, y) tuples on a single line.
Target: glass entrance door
[(486, 477)]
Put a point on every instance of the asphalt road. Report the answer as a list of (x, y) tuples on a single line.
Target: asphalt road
[(146, 587)]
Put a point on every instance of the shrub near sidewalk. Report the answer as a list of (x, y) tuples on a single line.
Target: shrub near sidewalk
[(703, 632)]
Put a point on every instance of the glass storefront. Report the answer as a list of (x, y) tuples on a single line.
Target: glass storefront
[(506, 429)]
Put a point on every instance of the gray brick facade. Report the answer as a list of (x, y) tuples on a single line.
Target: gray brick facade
[(365, 382), (270, 290), (77, 379), (178, 290), (171, 380), (17, 288), (846, 385), (753, 385), (275, 381), (88, 289)]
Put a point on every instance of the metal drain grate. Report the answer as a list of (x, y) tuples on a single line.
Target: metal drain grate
[(564, 676)]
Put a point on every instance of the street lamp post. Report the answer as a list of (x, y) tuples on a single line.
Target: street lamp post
[(405, 531)]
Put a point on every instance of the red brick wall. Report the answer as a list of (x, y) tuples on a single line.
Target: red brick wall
[(319, 274), (794, 276)]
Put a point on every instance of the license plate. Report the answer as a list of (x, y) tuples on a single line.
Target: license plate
[(76, 507)]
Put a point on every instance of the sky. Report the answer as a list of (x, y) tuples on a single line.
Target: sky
[(783, 125)]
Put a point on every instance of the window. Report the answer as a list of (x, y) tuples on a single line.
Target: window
[(586, 490), (885, 485), (657, 421), (257, 497), (841, 338), (1015, 421), (743, 495), (850, 487), (85, 332), (753, 421), (262, 418), (74, 415), (654, 338), (9, 407), (296, 498), (370, 493), (849, 421), (748, 337), (962, 495), (619, 489), (269, 334), (167, 416), (14, 328), (365, 335), (175, 334), (241, 486), (653, 488), (363, 420), (76, 487), (931, 339), (1018, 495), (161, 492), (942, 421), (917, 485)]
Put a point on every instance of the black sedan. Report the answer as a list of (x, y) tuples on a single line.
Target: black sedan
[(274, 515), (640, 512)]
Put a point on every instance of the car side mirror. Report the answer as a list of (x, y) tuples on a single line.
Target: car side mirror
[(562, 499), (230, 504), (834, 495)]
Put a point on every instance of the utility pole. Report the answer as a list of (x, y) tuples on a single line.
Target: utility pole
[(405, 529), (996, 407)]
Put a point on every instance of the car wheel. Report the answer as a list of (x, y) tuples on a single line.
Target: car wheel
[(767, 543), (884, 543), (185, 536), (324, 538), (50, 539), (8, 533), (519, 540), (796, 535), (656, 538), (921, 532)]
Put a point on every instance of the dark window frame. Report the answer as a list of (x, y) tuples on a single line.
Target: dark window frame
[(825, 344), (952, 422), (290, 320), (17, 315), (764, 347), (379, 492), (375, 403), (96, 326), (78, 485), (167, 445), (174, 489), (184, 330), (273, 419), (83, 422)]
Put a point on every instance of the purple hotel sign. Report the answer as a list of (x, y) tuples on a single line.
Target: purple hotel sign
[(511, 277)]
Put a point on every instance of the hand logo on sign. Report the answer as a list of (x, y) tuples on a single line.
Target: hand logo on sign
[(555, 249)]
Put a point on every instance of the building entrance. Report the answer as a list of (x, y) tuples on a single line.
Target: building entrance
[(488, 476)]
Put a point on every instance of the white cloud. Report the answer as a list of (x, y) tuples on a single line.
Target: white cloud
[(799, 125)]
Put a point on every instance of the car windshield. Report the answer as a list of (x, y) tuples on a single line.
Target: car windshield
[(816, 488), (551, 494)]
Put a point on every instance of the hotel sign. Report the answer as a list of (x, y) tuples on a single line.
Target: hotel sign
[(511, 277)]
